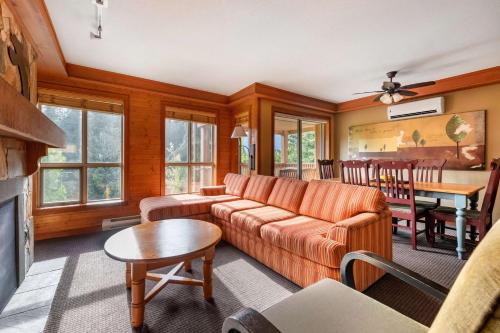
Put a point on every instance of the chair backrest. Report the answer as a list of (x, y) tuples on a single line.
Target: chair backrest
[(425, 170), (289, 173), (491, 190), (395, 180), (473, 303), (355, 172), (325, 169)]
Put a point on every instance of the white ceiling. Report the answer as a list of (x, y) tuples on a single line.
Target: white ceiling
[(327, 49)]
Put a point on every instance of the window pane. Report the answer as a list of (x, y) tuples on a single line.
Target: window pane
[(104, 183), (104, 137), (176, 140), (60, 185), (201, 142), (201, 176), (244, 156), (70, 121), (176, 179)]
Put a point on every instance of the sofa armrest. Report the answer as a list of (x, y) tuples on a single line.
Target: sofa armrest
[(213, 190), (404, 274), (248, 320), (343, 231)]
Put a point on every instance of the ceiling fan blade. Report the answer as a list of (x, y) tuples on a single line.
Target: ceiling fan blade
[(368, 92), (418, 85), (407, 93), (377, 99)]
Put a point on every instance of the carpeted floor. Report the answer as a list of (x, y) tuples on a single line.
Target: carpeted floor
[(91, 296)]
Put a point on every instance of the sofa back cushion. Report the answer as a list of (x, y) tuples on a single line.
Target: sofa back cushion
[(287, 193), (334, 201), (235, 184), (259, 187)]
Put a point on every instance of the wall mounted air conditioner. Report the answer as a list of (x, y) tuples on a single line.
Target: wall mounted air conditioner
[(120, 222), (422, 108)]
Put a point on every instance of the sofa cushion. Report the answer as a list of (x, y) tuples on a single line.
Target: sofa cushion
[(224, 210), (172, 206), (251, 220), (334, 201), (259, 187), (223, 198), (235, 184), (305, 236), (287, 193)]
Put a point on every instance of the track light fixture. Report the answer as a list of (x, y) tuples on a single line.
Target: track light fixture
[(100, 4)]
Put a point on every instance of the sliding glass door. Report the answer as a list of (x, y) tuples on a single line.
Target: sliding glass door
[(298, 144)]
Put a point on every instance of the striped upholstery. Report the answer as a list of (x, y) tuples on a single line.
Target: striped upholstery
[(225, 209), (304, 248), (332, 201), (235, 184), (259, 188), (296, 268), (251, 220), (305, 236), (213, 190), (287, 193), (366, 231), (172, 206), (223, 198)]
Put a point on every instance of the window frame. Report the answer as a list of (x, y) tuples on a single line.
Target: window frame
[(189, 164), (84, 165)]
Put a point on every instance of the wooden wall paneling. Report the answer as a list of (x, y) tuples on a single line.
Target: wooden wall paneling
[(36, 22)]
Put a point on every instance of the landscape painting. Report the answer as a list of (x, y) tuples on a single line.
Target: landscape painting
[(458, 138)]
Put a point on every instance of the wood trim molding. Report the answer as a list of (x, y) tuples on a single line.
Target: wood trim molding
[(34, 17), (260, 90), (87, 73), (450, 84)]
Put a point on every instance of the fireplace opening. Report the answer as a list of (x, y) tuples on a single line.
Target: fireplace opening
[(8, 251)]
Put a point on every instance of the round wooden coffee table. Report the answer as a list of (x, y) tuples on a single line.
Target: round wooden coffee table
[(156, 244)]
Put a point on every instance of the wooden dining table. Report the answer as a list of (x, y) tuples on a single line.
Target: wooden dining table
[(461, 194)]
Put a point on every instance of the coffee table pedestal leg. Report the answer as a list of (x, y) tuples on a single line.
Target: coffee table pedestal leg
[(207, 273), (128, 277), (138, 288), (187, 266)]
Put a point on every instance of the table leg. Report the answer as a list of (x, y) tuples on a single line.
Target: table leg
[(460, 205), (138, 288), (207, 273), (128, 278), (473, 206)]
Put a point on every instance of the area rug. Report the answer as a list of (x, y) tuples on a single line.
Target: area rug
[(91, 296)]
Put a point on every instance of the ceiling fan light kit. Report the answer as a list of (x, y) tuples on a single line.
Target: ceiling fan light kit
[(393, 92)]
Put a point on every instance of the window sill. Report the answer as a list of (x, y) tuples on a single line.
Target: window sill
[(77, 207)]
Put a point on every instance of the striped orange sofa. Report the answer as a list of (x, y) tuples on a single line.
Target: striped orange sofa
[(299, 229)]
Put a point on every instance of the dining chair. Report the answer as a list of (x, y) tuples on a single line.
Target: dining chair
[(482, 220), (395, 180), (429, 171), (325, 169), (355, 172)]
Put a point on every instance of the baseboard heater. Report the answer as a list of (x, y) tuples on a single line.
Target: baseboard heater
[(120, 222)]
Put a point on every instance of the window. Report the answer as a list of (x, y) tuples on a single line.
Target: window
[(298, 144), (90, 168), (189, 155)]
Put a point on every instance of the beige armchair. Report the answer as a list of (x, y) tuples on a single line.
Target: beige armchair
[(472, 304)]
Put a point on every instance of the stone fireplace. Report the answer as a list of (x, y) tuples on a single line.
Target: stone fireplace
[(25, 135), (16, 236)]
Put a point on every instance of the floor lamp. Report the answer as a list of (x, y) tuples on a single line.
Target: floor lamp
[(238, 133)]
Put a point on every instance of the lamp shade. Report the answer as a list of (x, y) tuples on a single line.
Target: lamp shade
[(238, 132), (386, 98)]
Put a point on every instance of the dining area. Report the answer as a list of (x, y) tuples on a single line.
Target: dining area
[(421, 202)]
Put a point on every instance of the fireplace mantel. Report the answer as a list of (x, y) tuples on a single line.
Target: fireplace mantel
[(21, 120)]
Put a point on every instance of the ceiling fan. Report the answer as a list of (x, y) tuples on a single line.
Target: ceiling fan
[(393, 92)]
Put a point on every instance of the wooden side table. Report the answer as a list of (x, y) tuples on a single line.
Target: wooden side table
[(157, 244)]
